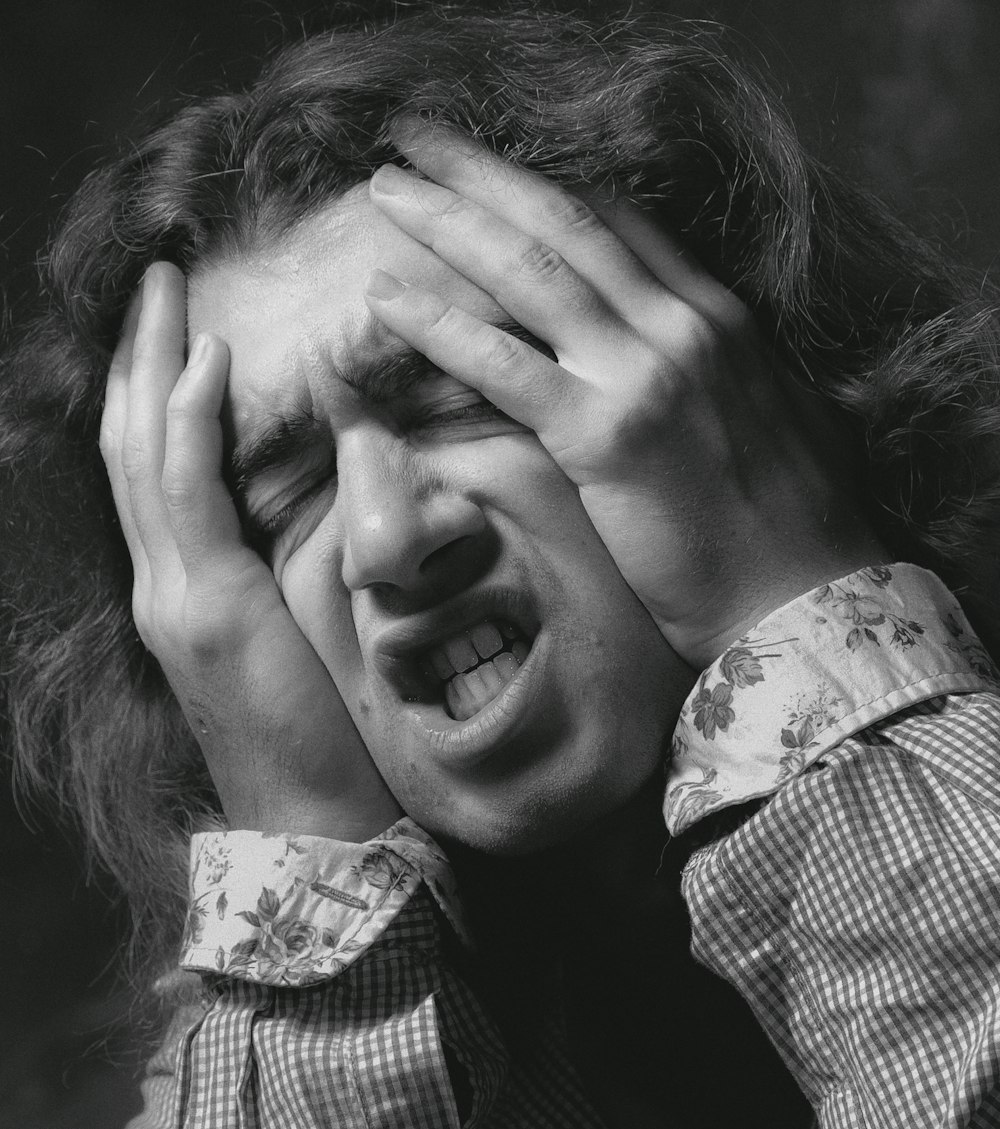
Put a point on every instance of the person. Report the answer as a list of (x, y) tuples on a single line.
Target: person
[(506, 401)]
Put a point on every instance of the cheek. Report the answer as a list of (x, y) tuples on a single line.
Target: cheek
[(320, 605), (545, 509), (515, 475)]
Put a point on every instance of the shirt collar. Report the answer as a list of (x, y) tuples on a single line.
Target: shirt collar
[(825, 666)]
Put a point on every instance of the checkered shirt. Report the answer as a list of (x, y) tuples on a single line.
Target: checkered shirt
[(855, 734)]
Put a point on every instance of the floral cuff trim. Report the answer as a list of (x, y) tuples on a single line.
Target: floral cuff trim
[(297, 909), (826, 665)]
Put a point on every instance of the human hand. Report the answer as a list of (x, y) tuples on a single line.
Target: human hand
[(706, 476), (278, 741)]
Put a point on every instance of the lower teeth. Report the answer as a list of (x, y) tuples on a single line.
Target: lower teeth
[(466, 694)]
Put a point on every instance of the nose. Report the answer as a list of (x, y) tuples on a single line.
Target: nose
[(405, 528)]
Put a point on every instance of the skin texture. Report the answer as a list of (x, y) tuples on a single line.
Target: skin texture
[(276, 737), (647, 480), (713, 480), (439, 507)]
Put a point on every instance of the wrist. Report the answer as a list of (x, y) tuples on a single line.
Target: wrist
[(356, 821), (700, 643)]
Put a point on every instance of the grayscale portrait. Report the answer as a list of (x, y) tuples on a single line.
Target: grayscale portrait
[(501, 573)]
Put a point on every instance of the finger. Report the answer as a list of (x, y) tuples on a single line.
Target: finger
[(530, 279), (535, 204), (530, 244), (202, 515), (518, 379), (112, 431), (616, 246), (157, 362)]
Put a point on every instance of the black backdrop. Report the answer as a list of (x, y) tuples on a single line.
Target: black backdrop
[(903, 93)]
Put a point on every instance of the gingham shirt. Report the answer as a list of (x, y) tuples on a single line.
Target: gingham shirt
[(856, 907)]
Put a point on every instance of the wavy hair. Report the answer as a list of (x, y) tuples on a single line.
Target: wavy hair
[(901, 344)]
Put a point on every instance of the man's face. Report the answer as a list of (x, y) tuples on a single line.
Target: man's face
[(507, 682)]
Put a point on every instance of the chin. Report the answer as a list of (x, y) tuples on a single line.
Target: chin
[(571, 736), (524, 817)]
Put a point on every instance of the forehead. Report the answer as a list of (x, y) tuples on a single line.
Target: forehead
[(293, 312)]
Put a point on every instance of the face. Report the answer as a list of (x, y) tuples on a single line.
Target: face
[(508, 684)]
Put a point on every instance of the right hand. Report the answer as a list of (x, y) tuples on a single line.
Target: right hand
[(280, 746), (717, 486)]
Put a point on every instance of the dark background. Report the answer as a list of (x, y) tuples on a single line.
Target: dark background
[(905, 94)]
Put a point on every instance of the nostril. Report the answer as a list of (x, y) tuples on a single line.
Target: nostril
[(442, 556), (397, 538), (461, 562)]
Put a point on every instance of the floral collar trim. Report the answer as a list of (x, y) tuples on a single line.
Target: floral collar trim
[(825, 666), (297, 909)]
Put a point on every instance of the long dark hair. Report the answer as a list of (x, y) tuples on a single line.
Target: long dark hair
[(903, 346)]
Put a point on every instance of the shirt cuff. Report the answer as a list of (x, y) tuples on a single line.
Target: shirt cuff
[(826, 665), (298, 909)]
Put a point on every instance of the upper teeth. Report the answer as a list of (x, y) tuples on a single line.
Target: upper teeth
[(468, 649)]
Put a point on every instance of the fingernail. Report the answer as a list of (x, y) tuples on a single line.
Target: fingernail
[(383, 285), (390, 180)]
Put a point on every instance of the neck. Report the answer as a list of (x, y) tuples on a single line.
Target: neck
[(556, 897), (606, 911), (589, 933)]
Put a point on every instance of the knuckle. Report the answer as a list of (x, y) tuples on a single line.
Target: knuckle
[(109, 441), (569, 213), (539, 262), (189, 632), (212, 624), (206, 646), (134, 456), (655, 402), (502, 352), (443, 320), (455, 206), (178, 407), (183, 635), (632, 427), (181, 424), (179, 493), (699, 340), (179, 486)]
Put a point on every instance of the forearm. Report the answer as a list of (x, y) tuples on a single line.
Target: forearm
[(325, 981), (366, 1044), (344, 999)]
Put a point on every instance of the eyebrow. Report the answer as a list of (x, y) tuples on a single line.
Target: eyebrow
[(280, 439), (272, 445)]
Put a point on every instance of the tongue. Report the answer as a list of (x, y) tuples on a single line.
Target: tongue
[(466, 694)]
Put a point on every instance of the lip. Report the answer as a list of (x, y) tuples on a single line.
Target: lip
[(397, 653), (488, 734)]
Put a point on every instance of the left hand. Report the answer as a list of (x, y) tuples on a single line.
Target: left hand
[(276, 736), (694, 463)]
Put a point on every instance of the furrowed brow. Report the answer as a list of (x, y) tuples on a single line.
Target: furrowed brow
[(385, 379), (279, 440), (270, 446)]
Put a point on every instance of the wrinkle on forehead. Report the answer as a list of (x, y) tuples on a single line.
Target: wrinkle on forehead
[(293, 310)]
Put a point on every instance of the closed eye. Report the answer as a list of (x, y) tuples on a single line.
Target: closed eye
[(265, 528), (479, 409)]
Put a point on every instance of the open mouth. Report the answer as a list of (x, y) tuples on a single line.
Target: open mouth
[(473, 667)]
